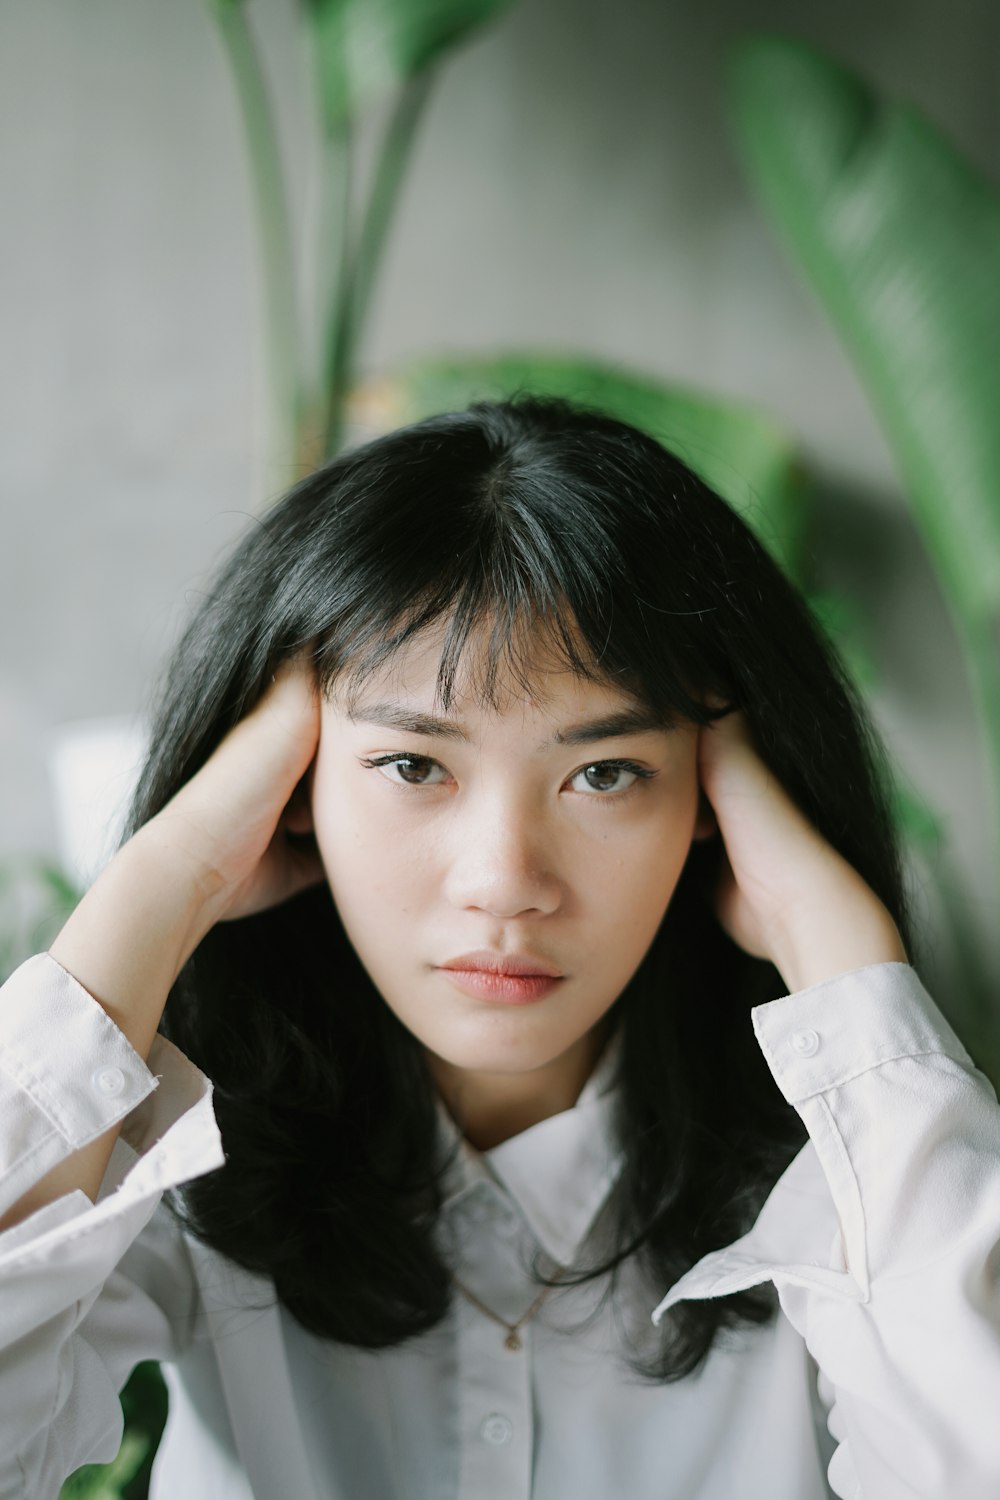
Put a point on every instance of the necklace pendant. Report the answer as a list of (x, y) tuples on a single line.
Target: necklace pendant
[(512, 1341)]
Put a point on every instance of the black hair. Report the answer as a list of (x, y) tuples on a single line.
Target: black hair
[(524, 512)]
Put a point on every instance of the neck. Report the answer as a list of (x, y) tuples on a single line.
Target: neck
[(491, 1107)]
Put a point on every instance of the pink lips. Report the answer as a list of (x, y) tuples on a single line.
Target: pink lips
[(506, 978)]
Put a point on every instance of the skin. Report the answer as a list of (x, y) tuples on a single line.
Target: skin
[(508, 841), (219, 850)]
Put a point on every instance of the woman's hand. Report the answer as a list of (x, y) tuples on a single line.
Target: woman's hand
[(784, 893), (230, 824), (218, 849)]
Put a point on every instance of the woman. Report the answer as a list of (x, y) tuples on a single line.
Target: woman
[(513, 860)]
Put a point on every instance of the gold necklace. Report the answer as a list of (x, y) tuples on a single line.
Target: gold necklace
[(513, 1340)]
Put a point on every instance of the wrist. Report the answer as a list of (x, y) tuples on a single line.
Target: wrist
[(132, 933), (845, 932)]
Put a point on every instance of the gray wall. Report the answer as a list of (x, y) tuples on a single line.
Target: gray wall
[(574, 187)]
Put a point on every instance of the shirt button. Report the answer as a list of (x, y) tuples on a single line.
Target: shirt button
[(508, 1226), (496, 1429), (108, 1081), (805, 1043)]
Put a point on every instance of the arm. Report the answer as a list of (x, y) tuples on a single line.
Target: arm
[(218, 850), (87, 1291), (94, 1276), (883, 1236)]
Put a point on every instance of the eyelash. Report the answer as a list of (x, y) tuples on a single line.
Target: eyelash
[(641, 773)]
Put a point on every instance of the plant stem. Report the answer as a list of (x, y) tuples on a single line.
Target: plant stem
[(357, 277), (335, 240), (273, 226)]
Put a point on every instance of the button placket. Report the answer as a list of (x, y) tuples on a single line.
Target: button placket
[(495, 1408), (496, 1429)]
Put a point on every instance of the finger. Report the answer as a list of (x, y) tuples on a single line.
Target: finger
[(729, 762), (757, 818), (282, 731)]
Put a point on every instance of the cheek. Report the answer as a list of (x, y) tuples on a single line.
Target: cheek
[(373, 872), (644, 876), (346, 843)]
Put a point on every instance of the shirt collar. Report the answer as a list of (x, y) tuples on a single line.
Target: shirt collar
[(558, 1173)]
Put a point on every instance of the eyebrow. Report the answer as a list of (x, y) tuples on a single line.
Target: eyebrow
[(634, 720)]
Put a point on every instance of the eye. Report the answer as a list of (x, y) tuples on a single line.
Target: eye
[(614, 777), (414, 770)]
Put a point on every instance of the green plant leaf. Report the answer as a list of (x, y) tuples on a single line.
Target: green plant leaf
[(846, 625), (35, 899), (916, 820), (740, 452), (144, 1407), (366, 47), (108, 1481), (900, 237)]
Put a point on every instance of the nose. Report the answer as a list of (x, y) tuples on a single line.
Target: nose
[(503, 862)]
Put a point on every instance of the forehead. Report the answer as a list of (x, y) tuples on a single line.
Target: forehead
[(531, 674)]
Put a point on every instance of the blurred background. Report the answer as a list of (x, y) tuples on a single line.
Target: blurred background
[(574, 186)]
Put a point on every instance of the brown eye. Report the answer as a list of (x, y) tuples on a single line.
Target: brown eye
[(603, 778), (413, 770), (613, 777)]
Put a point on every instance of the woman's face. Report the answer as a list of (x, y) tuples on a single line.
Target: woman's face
[(515, 832)]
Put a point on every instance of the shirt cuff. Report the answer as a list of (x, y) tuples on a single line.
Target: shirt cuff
[(823, 1036), (68, 1073), (64, 1051)]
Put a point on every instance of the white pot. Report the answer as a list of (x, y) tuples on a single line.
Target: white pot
[(93, 766)]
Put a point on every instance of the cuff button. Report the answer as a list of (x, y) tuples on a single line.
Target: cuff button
[(108, 1081), (805, 1043)]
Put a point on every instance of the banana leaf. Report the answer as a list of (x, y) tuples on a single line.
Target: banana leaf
[(899, 236), (144, 1407), (900, 239), (367, 47)]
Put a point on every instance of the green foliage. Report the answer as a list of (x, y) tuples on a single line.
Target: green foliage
[(364, 53), (144, 1407), (900, 238), (365, 48), (36, 897)]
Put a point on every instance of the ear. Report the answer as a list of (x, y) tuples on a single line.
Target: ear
[(297, 817), (706, 824)]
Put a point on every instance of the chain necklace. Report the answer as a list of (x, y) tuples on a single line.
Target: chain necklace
[(513, 1341)]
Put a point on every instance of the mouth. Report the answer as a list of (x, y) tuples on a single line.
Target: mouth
[(486, 961), (504, 978)]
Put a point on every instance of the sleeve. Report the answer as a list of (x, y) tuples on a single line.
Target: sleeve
[(883, 1236), (87, 1290)]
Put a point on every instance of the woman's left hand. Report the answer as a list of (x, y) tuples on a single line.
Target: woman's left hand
[(784, 893)]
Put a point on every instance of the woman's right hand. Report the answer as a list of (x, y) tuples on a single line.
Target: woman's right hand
[(219, 849), (229, 826)]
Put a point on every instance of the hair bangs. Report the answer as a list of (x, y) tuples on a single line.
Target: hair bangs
[(514, 589)]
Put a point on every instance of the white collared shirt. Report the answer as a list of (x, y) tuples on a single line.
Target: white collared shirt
[(882, 1239)]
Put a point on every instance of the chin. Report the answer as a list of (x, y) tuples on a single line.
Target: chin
[(501, 1053)]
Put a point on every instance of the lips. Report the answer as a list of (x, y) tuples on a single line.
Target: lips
[(516, 964)]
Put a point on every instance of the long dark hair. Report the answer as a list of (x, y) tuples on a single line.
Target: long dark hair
[(531, 511)]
